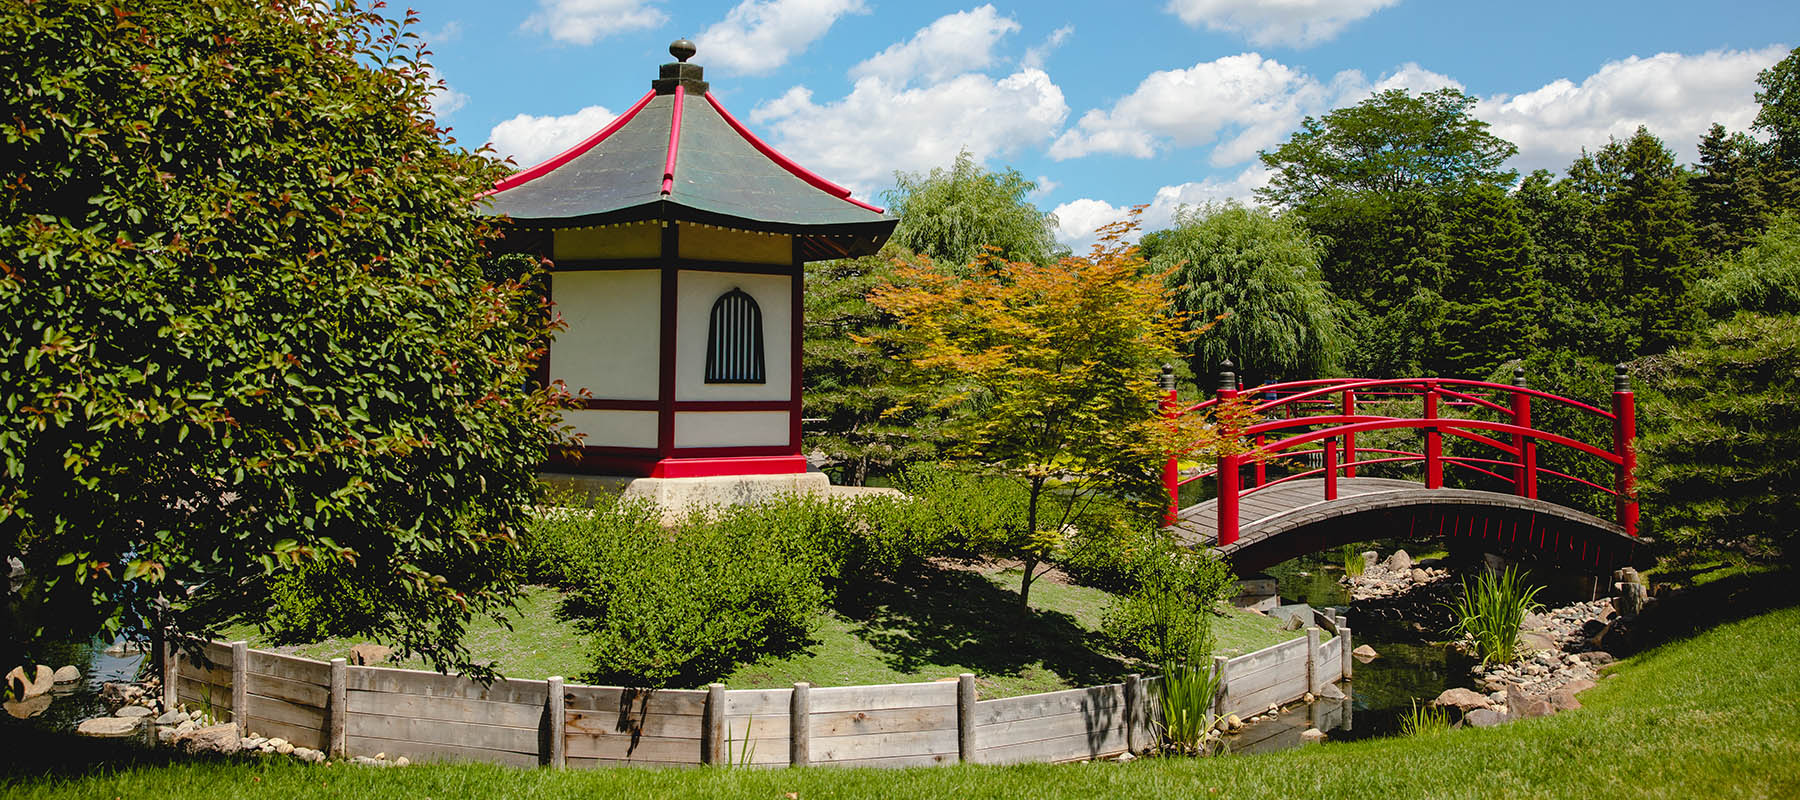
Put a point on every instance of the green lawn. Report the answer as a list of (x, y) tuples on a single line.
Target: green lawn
[(934, 624), (1706, 715)]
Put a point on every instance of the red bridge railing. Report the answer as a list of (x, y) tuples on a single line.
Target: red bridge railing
[(1326, 414)]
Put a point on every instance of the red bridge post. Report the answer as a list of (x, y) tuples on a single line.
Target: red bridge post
[(1624, 434), (1171, 409), (1331, 469), (1228, 465), (1434, 441), (1349, 438), (1524, 475)]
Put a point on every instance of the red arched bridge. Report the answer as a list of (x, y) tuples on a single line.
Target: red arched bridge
[(1308, 430)]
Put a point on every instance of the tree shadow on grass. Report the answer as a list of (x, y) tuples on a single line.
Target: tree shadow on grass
[(932, 617)]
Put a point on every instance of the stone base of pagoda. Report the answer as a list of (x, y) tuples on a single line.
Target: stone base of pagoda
[(679, 496)]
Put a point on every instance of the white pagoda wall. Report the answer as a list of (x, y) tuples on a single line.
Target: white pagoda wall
[(697, 291), (610, 348)]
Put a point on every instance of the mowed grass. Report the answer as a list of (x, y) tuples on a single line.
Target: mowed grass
[(1704, 716), (935, 623)]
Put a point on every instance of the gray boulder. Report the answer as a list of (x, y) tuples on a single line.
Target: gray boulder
[(1461, 699), (1483, 718), (212, 739), (110, 727), (1293, 617), (1399, 562), (67, 674), (134, 712)]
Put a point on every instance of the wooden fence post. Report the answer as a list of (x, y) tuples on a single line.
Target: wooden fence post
[(171, 671), (1314, 683), (1222, 697), (712, 731), (799, 741), (557, 719), (1348, 661), (339, 740), (1134, 712), (240, 687), (965, 718)]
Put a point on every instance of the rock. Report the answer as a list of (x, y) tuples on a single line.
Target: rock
[(252, 742), (109, 726), (1365, 653), (186, 726), (1461, 699), (67, 674), (165, 735), (1370, 559), (381, 756), (1598, 658), (1534, 641), (366, 761), (1293, 617), (1312, 736), (1398, 562), (172, 718), (284, 748), (1419, 575), (1563, 699), (1579, 685), (1331, 692), (1592, 627), (277, 742), (1307, 698), (25, 687), (401, 761), (1483, 718), (1630, 598), (1521, 705), (211, 739), (26, 709), (366, 654), (1233, 723), (131, 712), (1497, 698)]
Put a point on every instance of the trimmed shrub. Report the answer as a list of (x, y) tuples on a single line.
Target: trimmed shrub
[(1168, 617)]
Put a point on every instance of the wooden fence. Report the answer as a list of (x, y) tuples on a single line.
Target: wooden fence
[(353, 710)]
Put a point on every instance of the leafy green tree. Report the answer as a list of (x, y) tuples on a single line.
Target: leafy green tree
[(1645, 235), (953, 215), (1779, 116), (1729, 206), (1720, 464), (1261, 272), (244, 329), (1393, 142), (851, 376), (1582, 308)]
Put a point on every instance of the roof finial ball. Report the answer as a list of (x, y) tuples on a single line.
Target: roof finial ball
[(682, 50)]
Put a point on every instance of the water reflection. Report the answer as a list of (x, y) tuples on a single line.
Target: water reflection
[(73, 703)]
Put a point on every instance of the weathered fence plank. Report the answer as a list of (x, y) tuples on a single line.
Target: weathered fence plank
[(438, 751), (447, 709), (1110, 698), (293, 691), (874, 698), (293, 668)]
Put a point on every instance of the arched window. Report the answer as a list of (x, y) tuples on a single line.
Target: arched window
[(734, 340)]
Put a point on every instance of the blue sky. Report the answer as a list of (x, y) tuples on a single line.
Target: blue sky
[(1106, 105)]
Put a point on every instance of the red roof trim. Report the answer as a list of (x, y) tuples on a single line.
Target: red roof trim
[(539, 171), (668, 181), (786, 163)]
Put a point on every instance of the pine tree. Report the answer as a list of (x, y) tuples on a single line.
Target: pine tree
[(1494, 301), (1729, 207)]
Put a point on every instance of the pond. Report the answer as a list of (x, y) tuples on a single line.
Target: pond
[(1411, 667), (99, 663)]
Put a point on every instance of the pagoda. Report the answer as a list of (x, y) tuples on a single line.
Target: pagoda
[(678, 240)]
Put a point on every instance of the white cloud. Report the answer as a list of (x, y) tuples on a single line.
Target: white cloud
[(1296, 23), (1677, 96), (444, 100), (1241, 104), (757, 36), (878, 127), (586, 21), (1036, 56), (1077, 220), (531, 140), (1044, 187), (451, 31), (951, 45)]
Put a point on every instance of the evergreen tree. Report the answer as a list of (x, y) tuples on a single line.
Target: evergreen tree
[(1645, 239), (1779, 116), (1582, 313), (1729, 207), (1493, 298)]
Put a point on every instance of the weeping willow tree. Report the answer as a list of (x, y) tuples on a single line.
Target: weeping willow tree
[(1262, 273), (953, 215)]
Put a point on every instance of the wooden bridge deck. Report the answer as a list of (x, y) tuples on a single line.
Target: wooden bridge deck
[(1290, 507)]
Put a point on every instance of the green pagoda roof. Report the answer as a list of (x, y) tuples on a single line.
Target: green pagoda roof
[(678, 155)]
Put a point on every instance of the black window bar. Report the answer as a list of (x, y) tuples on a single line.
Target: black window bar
[(734, 340)]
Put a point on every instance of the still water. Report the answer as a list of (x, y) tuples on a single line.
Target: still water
[(1411, 667), (72, 704)]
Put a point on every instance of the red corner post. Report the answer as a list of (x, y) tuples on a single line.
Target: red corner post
[(1434, 441), (1228, 465), (1624, 444), (1524, 475), (1349, 438), (1171, 409)]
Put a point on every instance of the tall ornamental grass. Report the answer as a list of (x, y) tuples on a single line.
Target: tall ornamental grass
[(1186, 697), (1492, 610)]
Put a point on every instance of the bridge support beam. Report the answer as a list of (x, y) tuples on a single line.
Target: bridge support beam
[(1434, 442), (1524, 475)]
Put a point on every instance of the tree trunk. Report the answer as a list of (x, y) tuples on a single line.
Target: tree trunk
[(1031, 560)]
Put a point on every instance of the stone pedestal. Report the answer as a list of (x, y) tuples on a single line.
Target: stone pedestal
[(679, 496)]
